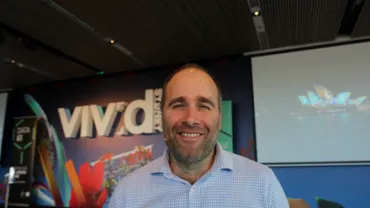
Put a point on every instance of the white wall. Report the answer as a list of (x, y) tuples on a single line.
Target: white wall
[(3, 101)]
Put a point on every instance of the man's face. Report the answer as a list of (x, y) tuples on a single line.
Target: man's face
[(191, 117)]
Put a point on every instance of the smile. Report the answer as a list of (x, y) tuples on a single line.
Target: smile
[(185, 134)]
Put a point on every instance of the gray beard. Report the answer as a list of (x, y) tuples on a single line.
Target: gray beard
[(187, 161), (201, 153)]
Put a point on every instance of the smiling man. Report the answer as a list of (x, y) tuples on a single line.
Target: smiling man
[(195, 171)]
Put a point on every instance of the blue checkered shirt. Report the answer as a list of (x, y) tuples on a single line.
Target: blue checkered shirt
[(233, 181)]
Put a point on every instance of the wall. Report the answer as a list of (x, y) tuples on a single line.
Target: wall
[(349, 186)]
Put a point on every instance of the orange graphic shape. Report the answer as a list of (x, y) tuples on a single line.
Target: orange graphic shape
[(75, 182), (49, 174)]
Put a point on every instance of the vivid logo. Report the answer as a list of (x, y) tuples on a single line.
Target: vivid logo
[(85, 118)]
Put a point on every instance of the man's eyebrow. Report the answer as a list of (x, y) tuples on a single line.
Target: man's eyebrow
[(202, 99), (176, 100)]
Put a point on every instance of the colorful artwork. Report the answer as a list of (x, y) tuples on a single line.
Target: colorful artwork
[(324, 101), (225, 137), (59, 181), (324, 97)]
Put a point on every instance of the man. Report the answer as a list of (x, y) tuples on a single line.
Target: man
[(195, 171)]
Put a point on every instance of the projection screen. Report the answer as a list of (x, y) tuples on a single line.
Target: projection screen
[(312, 106)]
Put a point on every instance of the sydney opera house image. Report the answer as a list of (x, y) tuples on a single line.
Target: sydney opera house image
[(324, 101)]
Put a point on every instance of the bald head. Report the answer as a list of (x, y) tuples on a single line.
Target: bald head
[(191, 116), (189, 79)]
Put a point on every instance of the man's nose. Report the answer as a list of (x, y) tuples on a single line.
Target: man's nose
[(191, 117)]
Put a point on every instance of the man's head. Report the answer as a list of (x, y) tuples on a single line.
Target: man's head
[(191, 109)]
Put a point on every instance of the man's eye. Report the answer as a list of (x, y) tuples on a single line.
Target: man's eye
[(179, 105), (205, 107)]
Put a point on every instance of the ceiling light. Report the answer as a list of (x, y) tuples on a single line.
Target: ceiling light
[(112, 41), (256, 13), (122, 49), (20, 65)]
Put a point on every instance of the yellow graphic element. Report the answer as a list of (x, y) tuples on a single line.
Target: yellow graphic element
[(49, 174), (76, 185)]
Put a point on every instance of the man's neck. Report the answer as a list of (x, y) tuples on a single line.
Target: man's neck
[(192, 172)]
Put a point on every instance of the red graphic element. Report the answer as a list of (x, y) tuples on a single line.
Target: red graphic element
[(249, 150), (131, 158), (91, 180), (107, 156), (146, 154), (140, 154)]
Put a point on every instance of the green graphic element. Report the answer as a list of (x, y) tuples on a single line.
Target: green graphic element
[(22, 150), (16, 125), (323, 203), (225, 137), (19, 122), (63, 179)]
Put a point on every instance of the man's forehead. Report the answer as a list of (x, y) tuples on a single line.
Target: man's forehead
[(192, 74), (192, 81)]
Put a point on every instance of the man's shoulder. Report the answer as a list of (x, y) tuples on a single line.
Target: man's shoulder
[(134, 182), (243, 164)]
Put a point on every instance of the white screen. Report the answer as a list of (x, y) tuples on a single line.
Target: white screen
[(313, 106), (3, 100)]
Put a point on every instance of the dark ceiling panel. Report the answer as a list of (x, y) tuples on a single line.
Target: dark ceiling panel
[(362, 27), (162, 32), (12, 76), (45, 24), (226, 26), (39, 59), (25, 65), (134, 24), (295, 22)]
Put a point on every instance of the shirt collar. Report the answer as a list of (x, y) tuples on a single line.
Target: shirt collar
[(223, 161)]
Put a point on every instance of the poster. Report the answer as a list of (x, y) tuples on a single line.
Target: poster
[(88, 148)]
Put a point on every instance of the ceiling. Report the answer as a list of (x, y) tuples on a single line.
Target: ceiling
[(45, 40)]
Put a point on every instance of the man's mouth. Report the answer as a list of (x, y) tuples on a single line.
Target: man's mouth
[(188, 134)]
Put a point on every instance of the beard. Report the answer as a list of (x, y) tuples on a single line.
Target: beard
[(199, 154)]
